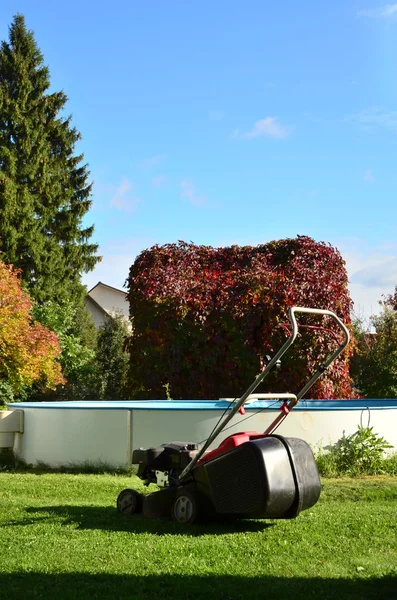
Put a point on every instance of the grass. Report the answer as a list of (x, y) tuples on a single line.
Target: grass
[(61, 537)]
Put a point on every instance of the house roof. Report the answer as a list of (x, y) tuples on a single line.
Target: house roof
[(110, 287)]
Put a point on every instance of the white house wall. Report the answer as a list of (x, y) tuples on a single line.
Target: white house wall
[(111, 300), (97, 314)]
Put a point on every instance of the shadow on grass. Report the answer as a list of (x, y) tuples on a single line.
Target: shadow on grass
[(107, 518), (68, 586)]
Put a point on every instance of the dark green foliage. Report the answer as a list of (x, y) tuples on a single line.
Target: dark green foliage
[(205, 318), (76, 334), (389, 464), (362, 453), (84, 325), (95, 364), (112, 360), (374, 363), (44, 188), (6, 393)]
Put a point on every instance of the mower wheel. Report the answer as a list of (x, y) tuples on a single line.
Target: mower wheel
[(185, 507), (129, 502)]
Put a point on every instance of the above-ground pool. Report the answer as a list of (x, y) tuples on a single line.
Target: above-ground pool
[(72, 433)]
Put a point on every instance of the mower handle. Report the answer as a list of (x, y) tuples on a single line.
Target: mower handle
[(334, 355), (286, 409), (223, 422)]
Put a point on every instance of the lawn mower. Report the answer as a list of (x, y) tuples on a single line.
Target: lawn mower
[(249, 475)]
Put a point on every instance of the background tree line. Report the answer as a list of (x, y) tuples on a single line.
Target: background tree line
[(48, 341), (373, 366)]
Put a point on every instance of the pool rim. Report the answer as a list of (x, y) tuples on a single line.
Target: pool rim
[(202, 405)]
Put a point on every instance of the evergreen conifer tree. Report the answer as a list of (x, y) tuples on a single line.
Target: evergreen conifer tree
[(44, 187)]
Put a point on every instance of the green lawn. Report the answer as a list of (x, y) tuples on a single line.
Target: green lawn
[(61, 537)]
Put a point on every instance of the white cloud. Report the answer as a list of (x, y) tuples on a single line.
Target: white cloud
[(372, 272), (389, 11), (369, 176), (189, 192), (268, 127), (378, 271), (375, 119), (123, 198)]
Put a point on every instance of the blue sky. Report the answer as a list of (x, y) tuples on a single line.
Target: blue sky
[(229, 122)]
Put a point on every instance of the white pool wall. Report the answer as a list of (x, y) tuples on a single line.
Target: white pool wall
[(75, 437), (74, 433)]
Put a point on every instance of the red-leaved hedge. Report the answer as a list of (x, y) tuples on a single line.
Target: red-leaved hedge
[(204, 318)]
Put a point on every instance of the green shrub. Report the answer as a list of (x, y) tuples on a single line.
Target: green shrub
[(362, 453), (112, 360), (373, 365), (77, 338), (389, 464), (6, 393)]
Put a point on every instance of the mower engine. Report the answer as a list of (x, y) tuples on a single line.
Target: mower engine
[(163, 465)]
